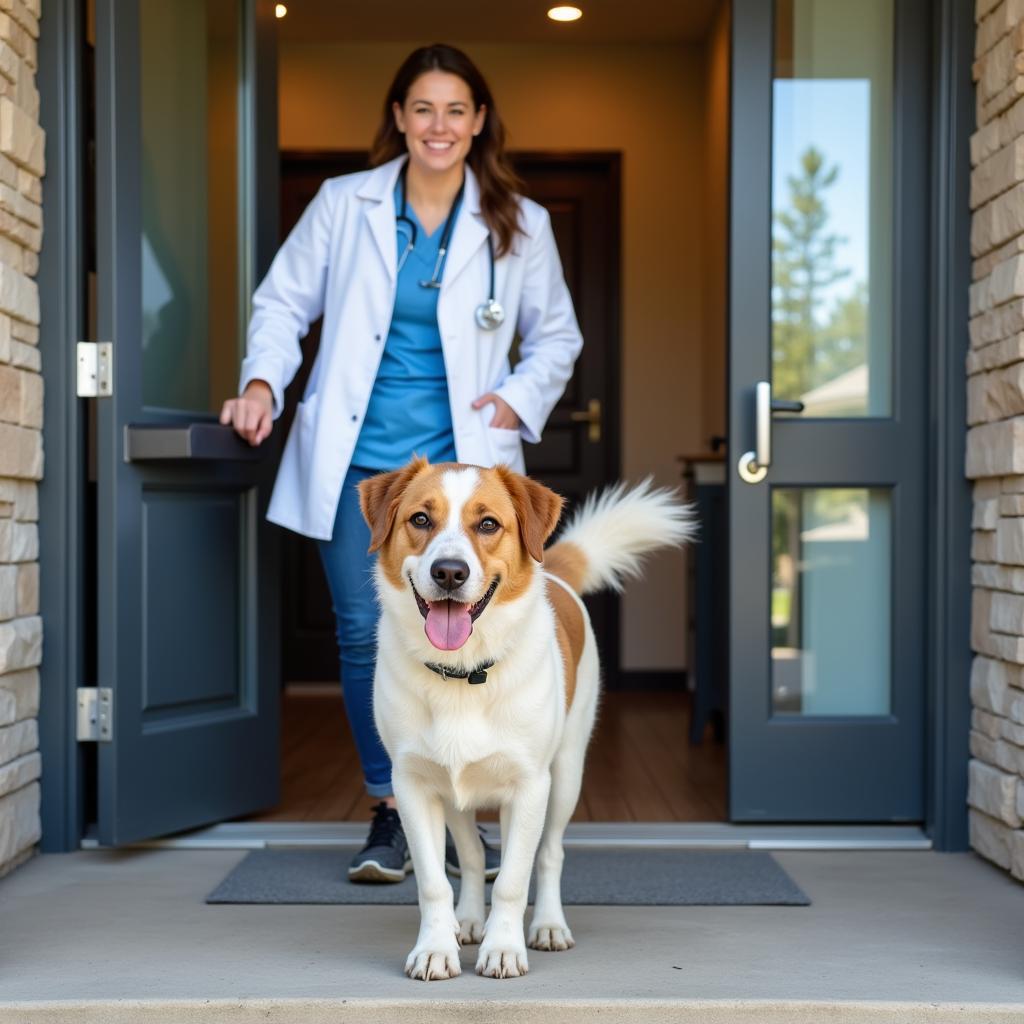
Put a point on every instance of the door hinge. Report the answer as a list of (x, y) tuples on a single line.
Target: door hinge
[(95, 714), (95, 369)]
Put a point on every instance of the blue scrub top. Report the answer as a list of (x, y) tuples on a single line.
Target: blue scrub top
[(408, 413)]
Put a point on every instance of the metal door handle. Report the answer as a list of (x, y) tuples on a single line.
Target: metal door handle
[(592, 417), (753, 466), (146, 442)]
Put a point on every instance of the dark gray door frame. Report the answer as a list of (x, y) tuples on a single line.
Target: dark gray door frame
[(61, 493), (949, 492), (62, 514)]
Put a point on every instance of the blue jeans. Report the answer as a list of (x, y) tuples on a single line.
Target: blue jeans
[(349, 571)]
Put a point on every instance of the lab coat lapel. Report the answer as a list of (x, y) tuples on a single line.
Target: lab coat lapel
[(469, 233), (379, 191), (381, 219)]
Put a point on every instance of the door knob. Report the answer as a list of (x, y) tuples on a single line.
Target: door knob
[(592, 417), (753, 466)]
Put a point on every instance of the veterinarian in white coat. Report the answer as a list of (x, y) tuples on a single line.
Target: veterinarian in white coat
[(340, 261), (424, 269)]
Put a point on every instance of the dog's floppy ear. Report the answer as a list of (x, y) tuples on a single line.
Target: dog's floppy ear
[(379, 497), (537, 509)]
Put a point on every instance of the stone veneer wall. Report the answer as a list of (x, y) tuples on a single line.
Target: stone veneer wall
[(21, 438), (995, 439)]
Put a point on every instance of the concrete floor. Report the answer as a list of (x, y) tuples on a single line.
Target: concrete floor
[(891, 936)]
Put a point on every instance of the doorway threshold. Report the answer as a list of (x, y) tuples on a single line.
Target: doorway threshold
[(242, 835)]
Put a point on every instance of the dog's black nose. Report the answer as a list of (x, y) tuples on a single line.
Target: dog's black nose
[(449, 573)]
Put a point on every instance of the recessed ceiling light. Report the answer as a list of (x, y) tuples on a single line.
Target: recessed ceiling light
[(565, 13), (280, 10)]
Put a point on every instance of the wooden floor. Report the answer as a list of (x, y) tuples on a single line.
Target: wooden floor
[(640, 765)]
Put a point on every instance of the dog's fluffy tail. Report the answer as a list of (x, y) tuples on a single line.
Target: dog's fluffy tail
[(609, 535)]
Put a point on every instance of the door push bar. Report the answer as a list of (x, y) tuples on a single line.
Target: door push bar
[(753, 466), (190, 441)]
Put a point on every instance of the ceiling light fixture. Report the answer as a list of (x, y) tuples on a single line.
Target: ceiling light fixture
[(280, 10), (565, 13)]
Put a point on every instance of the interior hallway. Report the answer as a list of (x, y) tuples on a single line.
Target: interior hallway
[(639, 765)]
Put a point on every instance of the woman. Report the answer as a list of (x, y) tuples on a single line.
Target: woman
[(424, 268)]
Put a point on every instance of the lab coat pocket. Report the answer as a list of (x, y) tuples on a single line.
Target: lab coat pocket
[(506, 447)]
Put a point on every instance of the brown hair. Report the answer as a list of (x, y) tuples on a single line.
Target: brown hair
[(498, 181)]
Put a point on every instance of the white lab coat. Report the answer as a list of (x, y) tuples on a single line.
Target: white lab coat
[(340, 260)]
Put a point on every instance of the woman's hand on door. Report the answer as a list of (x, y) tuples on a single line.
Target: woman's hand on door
[(251, 414)]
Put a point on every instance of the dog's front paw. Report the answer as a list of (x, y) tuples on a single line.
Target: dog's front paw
[(495, 962), (424, 964), (550, 937), (471, 931)]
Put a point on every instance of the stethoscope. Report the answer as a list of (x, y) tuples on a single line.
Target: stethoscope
[(489, 315)]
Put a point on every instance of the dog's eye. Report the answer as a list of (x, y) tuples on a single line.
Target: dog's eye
[(420, 520), (489, 525)]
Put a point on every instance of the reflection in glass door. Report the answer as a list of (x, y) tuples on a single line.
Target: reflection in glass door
[(832, 123), (830, 601), (827, 391), (190, 61)]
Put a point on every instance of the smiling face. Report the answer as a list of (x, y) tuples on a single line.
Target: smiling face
[(456, 540), (439, 121)]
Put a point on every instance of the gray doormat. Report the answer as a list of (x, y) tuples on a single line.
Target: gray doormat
[(601, 876)]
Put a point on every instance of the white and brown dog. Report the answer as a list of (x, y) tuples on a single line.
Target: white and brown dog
[(487, 683)]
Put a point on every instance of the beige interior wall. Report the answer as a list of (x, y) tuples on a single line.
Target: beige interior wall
[(648, 101)]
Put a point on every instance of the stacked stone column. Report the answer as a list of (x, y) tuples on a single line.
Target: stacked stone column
[(995, 440), (21, 439)]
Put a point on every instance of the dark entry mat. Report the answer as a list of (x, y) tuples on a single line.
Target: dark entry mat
[(600, 876)]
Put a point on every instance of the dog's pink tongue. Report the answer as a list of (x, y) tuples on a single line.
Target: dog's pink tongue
[(448, 624)]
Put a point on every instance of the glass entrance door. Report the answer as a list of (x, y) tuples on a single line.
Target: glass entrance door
[(828, 379), (186, 585)]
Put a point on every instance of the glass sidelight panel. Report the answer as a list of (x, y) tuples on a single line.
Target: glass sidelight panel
[(830, 602), (832, 206), (190, 71)]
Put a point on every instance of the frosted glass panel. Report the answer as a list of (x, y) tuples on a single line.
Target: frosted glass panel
[(832, 206), (189, 249), (831, 604)]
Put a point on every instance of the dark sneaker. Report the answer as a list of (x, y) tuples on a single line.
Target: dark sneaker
[(492, 856), (385, 857)]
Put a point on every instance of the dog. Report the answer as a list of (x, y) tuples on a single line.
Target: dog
[(487, 682)]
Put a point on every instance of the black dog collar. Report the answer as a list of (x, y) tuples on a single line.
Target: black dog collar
[(476, 675)]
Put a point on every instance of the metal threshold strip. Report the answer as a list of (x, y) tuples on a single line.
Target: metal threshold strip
[(262, 835)]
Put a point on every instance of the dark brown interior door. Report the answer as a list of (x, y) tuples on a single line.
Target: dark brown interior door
[(580, 448)]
